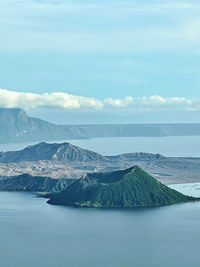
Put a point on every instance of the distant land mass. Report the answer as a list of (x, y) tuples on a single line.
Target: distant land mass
[(128, 188), (65, 160), (17, 126), (63, 152)]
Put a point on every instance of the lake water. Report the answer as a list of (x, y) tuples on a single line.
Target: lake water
[(192, 189), (168, 146), (33, 233)]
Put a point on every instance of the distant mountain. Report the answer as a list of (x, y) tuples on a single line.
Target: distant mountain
[(26, 182), (63, 152), (65, 160), (132, 187), (17, 126)]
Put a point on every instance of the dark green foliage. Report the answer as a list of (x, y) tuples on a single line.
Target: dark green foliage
[(127, 188), (26, 182)]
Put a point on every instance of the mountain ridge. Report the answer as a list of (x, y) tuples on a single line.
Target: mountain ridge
[(17, 126), (64, 160), (28, 183), (64, 152)]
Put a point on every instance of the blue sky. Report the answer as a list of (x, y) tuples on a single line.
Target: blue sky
[(102, 50)]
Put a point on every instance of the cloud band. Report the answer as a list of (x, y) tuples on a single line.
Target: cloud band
[(25, 100)]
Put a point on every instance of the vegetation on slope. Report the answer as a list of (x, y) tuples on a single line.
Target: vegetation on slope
[(126, 188), (26, 182)]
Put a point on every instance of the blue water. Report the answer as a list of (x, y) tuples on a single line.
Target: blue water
[(191, 189), (33, 233), (168, 146)]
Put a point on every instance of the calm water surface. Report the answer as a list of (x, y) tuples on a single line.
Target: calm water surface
[(168, 146), (34, 233)]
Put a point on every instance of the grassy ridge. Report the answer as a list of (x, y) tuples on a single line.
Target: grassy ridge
[(26, 182)]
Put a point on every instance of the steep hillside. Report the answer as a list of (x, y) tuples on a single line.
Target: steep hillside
[(63, 152), (126, 188), (26, 182), (17, 126)]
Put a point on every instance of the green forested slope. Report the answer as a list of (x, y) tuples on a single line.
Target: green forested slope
[(127, 188)]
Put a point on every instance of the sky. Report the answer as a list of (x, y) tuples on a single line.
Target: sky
[(105, 61)]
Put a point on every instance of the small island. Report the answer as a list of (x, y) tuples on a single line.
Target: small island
[(129, 188)]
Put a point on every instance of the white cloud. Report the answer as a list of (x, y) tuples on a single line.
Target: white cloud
[(154, 103), (12, 99)]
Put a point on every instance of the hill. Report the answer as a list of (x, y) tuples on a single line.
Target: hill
[(26, 182), (63, 152), (132, 187), (65, 160), (17, 126)]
